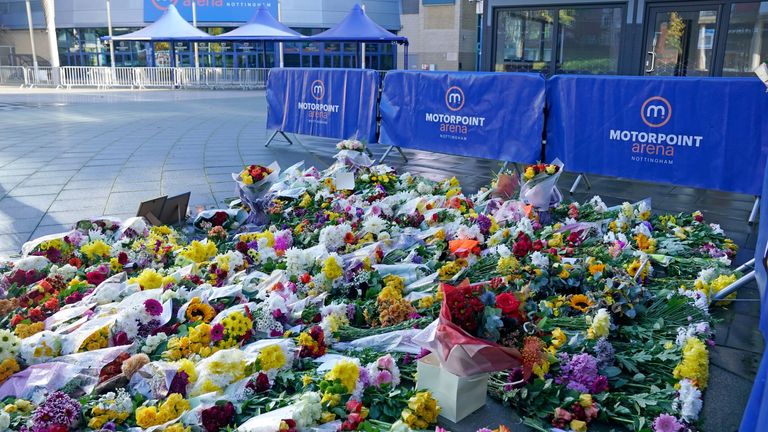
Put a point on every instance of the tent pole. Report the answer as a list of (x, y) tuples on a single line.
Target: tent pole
[(173, 53), (280, 44), (405, 58), (264, 54), (362, 50), (194, 23)]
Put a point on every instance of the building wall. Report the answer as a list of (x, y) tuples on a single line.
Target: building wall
[(443, 36), (130, 13), (20, 40)]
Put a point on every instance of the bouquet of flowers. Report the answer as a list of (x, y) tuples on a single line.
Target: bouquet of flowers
[(453, 335), (540, 185), (229, 219), (252, 184)]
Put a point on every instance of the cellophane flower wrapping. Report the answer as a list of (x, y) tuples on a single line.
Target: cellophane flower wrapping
[(541, 190), (253, 195), (462, 354)]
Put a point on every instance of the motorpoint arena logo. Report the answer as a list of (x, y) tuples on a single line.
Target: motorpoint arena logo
[(163, 4), (317, 89), (454, 98), (656, 111)]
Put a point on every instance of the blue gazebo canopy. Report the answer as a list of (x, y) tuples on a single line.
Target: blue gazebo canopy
[(169, 27), (358, 27), (262, 26)]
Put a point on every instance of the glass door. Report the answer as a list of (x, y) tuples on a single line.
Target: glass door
[(680, 40)]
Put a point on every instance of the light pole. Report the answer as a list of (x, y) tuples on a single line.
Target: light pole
[(111, 42), (49, 9), (32, 39)]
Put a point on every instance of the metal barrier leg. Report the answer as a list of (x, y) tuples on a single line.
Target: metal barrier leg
[(386, 153), (586, 180), (405, 158), (755, 209), (747, 278), (269, 141), (274, 134), (748, 264), (576, 184)]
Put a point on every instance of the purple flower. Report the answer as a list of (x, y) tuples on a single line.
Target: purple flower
[(56, 409), (484, 223), (153, 307), (217, 332), (579, 373), (179, 383), (283, 240), (666, 423), (605, 353)]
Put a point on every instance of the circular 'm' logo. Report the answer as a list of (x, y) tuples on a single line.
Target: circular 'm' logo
[(317, 89), (656, 111), (163, 4), (454, 98)]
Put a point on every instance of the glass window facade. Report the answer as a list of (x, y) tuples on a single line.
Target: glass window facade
[(589, 40), (747, 39), (559, 40), (82, 47)]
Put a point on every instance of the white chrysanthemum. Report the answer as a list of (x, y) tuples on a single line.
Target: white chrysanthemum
[(707, 274), (642, 228), (525, 226), (503, 251), (374, 225), (5, 421), (152, 342), (66, 271), (307, 410), (333, 236), (598, 204), (297, 260), (688, 400), (34, 262), (469, 233), (424, 188), (716, 228), (539, 260)]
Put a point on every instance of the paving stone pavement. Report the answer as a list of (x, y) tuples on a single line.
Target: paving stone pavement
[(68, 155)]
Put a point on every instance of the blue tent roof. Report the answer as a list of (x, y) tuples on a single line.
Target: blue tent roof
[(357, 26), (262, 26), (170, 26)]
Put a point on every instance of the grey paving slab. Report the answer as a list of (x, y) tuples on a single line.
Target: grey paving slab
[(57, 166)]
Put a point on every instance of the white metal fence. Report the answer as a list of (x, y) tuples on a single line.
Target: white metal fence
[(135, 77)]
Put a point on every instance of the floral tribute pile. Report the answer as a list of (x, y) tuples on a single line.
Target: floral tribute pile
[(308, 322)]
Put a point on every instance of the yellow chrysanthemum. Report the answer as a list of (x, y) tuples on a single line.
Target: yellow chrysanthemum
[(695, 363), (346, 372)]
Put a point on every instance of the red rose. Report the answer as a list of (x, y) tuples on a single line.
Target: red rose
[(508, 303), (36, 315), (510, 306), (75, 262), (95, 277), (16, 320)]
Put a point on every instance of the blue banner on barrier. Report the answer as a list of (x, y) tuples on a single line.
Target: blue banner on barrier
[(755, 417), (488, 115), (331, 103), (701, 132)]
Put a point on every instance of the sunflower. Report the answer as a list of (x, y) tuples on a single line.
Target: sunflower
[(581, 302), (198, 311)]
